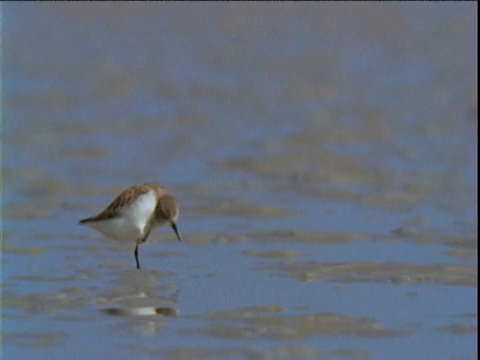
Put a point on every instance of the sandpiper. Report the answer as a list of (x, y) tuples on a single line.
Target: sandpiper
[(135, 212)]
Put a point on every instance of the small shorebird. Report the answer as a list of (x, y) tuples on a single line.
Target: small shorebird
[(135, 212)]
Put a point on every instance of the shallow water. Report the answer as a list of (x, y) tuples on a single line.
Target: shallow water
[(324, 156)]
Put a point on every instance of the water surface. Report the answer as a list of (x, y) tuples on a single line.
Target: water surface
[(324, 156)]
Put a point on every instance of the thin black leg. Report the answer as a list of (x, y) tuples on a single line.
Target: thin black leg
[(136, 256), (136, 248)]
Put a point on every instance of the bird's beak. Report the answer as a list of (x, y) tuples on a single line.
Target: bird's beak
[(174, 227)]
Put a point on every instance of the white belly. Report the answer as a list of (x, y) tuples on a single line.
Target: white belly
[(133, 222), (119, 229)]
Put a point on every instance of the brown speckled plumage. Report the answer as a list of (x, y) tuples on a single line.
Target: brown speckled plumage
[(135, 212)]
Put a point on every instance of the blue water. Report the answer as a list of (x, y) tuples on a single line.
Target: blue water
[(316, 120)]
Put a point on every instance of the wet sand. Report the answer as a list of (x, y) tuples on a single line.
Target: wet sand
[(324, 156)]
